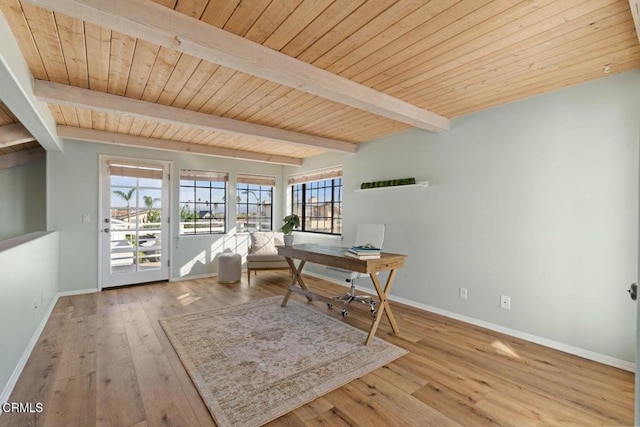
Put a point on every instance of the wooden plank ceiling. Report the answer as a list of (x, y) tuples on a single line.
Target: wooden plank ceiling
[(449, 57)]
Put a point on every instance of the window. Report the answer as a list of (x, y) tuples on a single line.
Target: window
[(203, 206), (255, 202), (317, 198)]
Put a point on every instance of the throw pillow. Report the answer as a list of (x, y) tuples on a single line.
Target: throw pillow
[(262, 243)]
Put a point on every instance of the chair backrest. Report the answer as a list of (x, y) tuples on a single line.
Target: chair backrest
[(370, 233), (265, 242)]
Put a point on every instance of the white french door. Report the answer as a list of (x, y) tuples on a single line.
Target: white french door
[(134, 231)]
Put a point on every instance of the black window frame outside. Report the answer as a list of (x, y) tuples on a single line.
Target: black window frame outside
[(261, 189), (194, 185), (303, 189)]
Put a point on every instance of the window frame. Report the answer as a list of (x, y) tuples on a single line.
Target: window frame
[(196, 179), (304, 187), (264, 185)]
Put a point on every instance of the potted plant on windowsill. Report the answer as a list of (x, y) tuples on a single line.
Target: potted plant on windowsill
[(290, 222)]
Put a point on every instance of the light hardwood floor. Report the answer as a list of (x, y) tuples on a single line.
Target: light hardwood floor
[(103, 359)]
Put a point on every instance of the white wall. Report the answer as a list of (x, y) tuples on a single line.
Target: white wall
[(29, 285), (73, 190), (22, 200), (537, 200)]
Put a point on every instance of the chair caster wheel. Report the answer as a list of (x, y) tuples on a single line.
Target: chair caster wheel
[(329, 305), (373, 313), (344, 313)]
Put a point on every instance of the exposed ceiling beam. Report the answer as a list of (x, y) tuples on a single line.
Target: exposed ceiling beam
[(20, 158), (81, 134), (14, 134), (56, 93), (16, 92), (147, 20), (635, 11)]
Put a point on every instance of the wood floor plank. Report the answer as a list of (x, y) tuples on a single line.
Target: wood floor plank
[(139, 331), (109, 315), (313, 409), (79, 354), (331, 418), (73, 402), (162, 396), (411, 411), (103, 359), (84, 305), (359, 409), (454, 404), (117, 384), (401, 378)]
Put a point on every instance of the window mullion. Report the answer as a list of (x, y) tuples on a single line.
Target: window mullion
[(333, 195), (304, 207)]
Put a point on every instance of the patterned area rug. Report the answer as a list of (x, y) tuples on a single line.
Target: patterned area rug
[(257, 361)]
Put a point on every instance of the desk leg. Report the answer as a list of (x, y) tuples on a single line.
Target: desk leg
[(297, 278), (384, 305)]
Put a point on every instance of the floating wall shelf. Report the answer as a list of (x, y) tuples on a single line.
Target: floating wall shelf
[(419, 184)]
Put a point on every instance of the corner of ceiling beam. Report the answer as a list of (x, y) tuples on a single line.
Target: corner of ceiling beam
[(16, 91)]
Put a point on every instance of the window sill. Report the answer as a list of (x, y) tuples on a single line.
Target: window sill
[(200, 236), (246, 233), (319, 235)]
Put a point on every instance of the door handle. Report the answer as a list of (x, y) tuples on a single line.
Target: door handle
[(633, 291)]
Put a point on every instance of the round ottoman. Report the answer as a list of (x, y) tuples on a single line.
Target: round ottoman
[(229, 268)]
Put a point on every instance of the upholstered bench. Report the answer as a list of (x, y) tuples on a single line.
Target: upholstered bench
[(263, 254)]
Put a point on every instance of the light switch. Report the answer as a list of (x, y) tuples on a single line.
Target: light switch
[(86, 218)]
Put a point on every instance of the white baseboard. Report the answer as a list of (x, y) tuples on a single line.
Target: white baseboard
[(78, 292), (566, 348), (4, 397)]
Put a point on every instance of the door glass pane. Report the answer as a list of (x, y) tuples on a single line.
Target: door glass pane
[(135, 221)]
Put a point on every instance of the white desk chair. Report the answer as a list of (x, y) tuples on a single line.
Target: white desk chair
[(372, 234)]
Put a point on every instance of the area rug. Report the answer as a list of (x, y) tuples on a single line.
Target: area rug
[(257, 361)]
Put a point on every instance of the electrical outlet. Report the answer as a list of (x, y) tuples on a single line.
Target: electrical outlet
[(505, 302), (463, 293)]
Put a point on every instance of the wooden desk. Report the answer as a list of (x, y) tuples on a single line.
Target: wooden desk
[(335, 257)]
